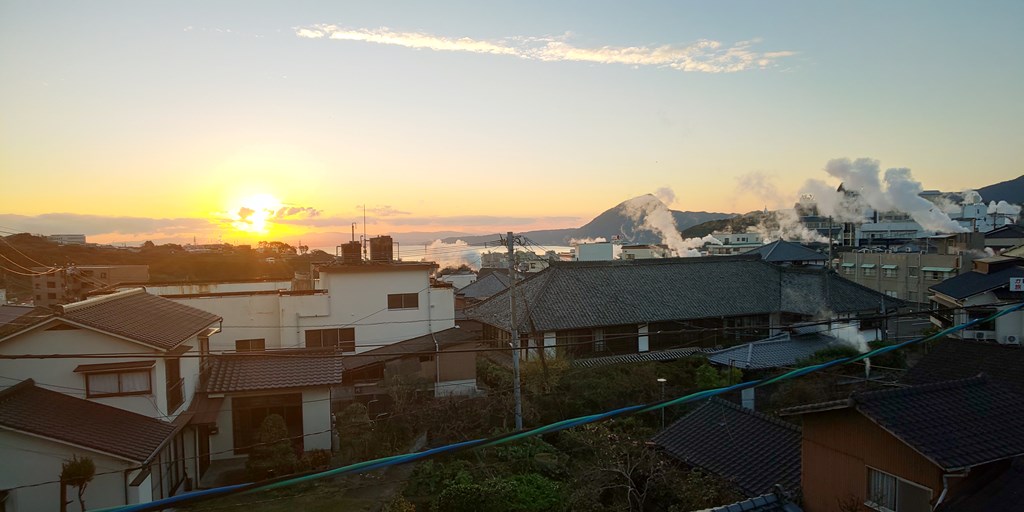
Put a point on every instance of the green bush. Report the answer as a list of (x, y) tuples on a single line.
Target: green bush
[(274, 454), (518, 493)]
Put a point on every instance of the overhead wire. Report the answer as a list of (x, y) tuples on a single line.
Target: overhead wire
[(560, 425)]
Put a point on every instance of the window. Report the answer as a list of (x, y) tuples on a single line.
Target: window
[(889, 272), (118, 383), (869, 272), (888, 493), (403, 300), (253, 345), (343, 338), (51, 284), (891, 293), (912, 271), (51, 296)]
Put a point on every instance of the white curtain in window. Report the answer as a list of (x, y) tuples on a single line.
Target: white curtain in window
[(103, 383), (882, 489), (134, 382)]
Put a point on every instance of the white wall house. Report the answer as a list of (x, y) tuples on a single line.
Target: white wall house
[(978, 294), (121, 411)]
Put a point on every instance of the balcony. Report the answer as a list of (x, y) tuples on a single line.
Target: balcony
[(175, 395)]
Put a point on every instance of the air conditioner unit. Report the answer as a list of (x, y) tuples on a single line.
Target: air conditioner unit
[(979, 335), (1013, 339)]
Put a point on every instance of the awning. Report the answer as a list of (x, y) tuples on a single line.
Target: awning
[(937, 269), (115, 367), (206, 409), (889, 267), (867, 265), (848, 264)]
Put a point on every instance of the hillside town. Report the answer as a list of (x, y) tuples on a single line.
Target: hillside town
[(164, 389)]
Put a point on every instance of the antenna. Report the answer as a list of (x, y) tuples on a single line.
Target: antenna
[(364, 231)]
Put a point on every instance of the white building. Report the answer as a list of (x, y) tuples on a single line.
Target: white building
[(978, 294), (67, 239), (643, 252), (124, 412), (735, 243), (599, 251)]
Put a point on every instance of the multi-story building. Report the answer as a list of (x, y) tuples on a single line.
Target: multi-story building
[(67, 239), (899, 275), (992, 285), (51, 287), (644, 252), (734, 243)]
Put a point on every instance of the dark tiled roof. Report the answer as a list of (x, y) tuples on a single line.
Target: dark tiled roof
[(139, 316), (1003, 492), (16, 318), (781, 251), (1010, 231), (955, 424), (781, 350), (972, 283), (753, 450), (446, 338), (238, 372), (28, 408), (951, 359), (573, 295), (485, 286), (764, 503), (641, 357)]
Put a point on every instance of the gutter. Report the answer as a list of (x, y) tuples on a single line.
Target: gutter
[(945, 485)]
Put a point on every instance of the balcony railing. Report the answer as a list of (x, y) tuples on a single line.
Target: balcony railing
[(175, 395)]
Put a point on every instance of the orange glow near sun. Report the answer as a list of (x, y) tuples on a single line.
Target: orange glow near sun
[(252, 213)]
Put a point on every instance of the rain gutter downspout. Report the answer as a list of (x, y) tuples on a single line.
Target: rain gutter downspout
[(945, 486)]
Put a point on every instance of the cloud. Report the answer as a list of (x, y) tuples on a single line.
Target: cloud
[(296, 212), (666, 195), (244, 213), (385, 211), (760, 185), (705, 55), (88, 225)]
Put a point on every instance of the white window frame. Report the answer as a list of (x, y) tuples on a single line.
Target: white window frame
[(896, 499)]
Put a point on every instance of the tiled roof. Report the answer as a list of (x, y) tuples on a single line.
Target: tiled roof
[(445, 338), (753, 450), (485, 286), (573, 295), (955, 424), (781, 350), (1009, 231), (245, 372), (641, 357), (781, 251), (17, 318), (28, 408), (972, 283), (951, 359), (764, 503), (142, 317), (1004, 491)]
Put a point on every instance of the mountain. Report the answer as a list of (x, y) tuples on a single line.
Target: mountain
[(615, 221), (1011, 191)]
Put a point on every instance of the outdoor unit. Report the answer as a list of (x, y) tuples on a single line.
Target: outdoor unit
[(1012, 339), (978, 335)]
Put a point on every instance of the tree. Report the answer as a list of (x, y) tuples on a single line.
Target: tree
[(273, 455), (77, 472)]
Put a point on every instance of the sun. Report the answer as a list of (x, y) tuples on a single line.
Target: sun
[(252, 213)]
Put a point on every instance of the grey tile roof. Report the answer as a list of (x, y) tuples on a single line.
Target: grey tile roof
[(781, 350), (1010, 231), (973, 283), (781, 251), (753, 450), (951, 359), (28, 408), (446, 338), (573, 295), (16, 318), (246, 372), (139, 316), (765, 503), (955, 424), (485, 286), (641, 357)]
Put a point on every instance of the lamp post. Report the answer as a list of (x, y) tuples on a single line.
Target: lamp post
[(662, 381)]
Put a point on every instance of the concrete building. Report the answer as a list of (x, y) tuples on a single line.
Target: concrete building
[(598, 251), (734, 243), (644, 252), (67, 239), (904, 276), (992, 285), (51, 287)]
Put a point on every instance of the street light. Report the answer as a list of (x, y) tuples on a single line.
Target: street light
[(662, 381)]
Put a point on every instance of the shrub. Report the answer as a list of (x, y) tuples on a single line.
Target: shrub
[(273, 455)]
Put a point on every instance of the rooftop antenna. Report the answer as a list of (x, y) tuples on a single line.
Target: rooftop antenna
[(364, 231)]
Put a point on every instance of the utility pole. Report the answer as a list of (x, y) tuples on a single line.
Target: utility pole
[(510, 242)]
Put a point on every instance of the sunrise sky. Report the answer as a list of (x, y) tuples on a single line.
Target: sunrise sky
[(239, 121)]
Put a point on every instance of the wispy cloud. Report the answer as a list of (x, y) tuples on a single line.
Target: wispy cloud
[(704, 55)]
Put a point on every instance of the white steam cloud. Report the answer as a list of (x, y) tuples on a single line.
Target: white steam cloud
[(897, 190), (451, 254), (850, 335), (652, 214)]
